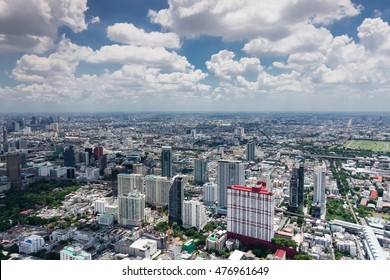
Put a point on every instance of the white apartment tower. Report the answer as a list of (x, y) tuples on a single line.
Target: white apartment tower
[(250, 212), (131, 208), (194, 214), (209, 193), (130, 182), (230, 172), (157, 190)]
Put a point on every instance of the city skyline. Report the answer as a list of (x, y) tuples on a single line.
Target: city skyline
[(194, 56)]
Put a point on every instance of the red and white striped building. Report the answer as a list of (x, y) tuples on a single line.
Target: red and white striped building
[(250, 212)]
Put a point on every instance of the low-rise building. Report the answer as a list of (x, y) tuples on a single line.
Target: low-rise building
[(72, 253)]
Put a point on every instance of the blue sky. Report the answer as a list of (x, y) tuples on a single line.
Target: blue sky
[(194, 55)]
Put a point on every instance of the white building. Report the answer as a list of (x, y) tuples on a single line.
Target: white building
[(106, 219), (194, 214), (31, 244), (112, 209), (72, 253), (319, 191), (44, 171), (144, 248), (131, 208), (229, 173), (216, 241), (130, 182), (210, 191), (157, 190), (99, 206), (250, 212), (92, 173)]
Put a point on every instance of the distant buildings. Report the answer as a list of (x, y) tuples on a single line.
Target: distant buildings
[(176, 200), (14, 170), (250, 212), (157, 190), (72, 253), (194, 214), (201, 174), (250, 151), (229, 173), (318, 205), (216, 241), (131, 209), (166, 162)]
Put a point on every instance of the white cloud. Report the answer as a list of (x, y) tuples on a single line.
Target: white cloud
[(374, 35), (304, 38), (31, 26), (95, 20), (127, 33), (249, 19), (223, 65)]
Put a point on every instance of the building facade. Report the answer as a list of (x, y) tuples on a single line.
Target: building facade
[(130, 182), (176, 200), (131, 209), (229, 173), (157, 190), (166, 162), (251, 211), (201, 173), (194, 214)]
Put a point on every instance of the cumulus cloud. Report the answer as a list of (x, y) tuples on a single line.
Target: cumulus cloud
[(95, 20), (249, 19), (31, 26), (127, 33)]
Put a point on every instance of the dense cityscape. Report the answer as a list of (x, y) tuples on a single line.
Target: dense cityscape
[(195, 186)]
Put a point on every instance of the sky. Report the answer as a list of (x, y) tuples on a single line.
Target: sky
[(194, 55)]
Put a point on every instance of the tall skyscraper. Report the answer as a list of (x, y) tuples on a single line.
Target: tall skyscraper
[(69, 157), (166, 161), (98, 152), (14, 170), (201, 173), (157, 190), (229, 173), (194, 214), (250, 212), (102, 164), (297, 182), (176, 200), (293, 202), (210, 192), (5, 140), (318, 205), (250, 151), (131, 208), (130, 182)]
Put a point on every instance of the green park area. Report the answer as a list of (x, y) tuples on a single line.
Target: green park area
[(376, 146)]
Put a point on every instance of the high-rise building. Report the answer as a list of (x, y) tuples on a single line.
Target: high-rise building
[(318, 205), (293, 202), (229, 173), (157, 190), (130, 182), (250, 151), (250, 212), (297, 182), (102, 164), (69, 157), (131, 208), (14, 170), (98, 152), (139, 168), (201, 173), (176, 200), (90, 153), (166, 161), (194, 214), (5, 140), (210, 192)]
